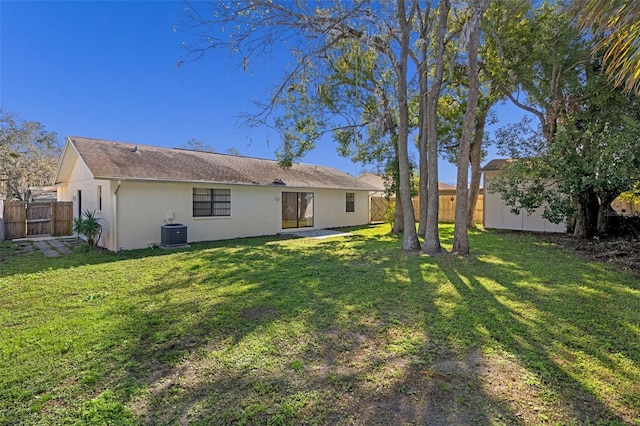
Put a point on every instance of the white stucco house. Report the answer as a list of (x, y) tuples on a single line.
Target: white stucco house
[(498, 215), (136, 189)]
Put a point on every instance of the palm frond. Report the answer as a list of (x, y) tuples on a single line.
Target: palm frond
[(619, 21)]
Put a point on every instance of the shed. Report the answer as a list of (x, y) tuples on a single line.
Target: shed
[(498, 215)]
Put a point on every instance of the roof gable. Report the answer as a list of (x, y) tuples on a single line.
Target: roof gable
[(374, 180), (66, 163), (118, 160)]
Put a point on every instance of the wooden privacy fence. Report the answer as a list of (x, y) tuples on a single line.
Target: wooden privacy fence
[(446, 208), (626, 208), (23, 219), (378, 208)]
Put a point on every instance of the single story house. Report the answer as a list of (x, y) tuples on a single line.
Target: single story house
[(136, 189), (498, 215)]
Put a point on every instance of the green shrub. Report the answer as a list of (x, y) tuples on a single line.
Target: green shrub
[(390, 213), (88, 226)]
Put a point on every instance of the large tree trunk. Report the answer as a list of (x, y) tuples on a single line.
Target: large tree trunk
[(606, 214), (461, 225), (410, 237), (474, 160), (398, 220), (423, 193), (587, 217), (431, 236)]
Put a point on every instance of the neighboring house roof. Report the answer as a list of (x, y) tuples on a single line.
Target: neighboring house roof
[(42, 193), (496, 165), (118, 160), (374, 180), (378, 182), (442, 186)]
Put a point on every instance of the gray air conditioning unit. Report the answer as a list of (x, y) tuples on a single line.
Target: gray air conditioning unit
[(173, 235)]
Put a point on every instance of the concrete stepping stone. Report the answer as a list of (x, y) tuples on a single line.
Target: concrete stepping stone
[(60, 246), (46, 249), (23, 248)]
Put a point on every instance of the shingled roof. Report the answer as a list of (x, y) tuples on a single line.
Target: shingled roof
[(119, 160), (496, 165)]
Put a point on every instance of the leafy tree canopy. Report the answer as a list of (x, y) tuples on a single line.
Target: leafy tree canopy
[(595, 155), (28, 156)]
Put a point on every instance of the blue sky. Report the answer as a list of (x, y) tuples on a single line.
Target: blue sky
[(107, 69)]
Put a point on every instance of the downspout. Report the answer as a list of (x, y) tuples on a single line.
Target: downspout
[(114, 221)]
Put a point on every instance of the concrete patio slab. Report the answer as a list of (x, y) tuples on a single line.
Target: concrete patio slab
[(316, 233)]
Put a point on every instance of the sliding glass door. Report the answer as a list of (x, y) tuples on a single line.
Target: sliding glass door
[(297, 209)]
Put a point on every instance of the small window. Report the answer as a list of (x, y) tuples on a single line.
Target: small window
[(99, 197), (209, 202), (351, 202)]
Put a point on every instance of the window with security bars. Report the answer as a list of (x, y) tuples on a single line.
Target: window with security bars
[(208, 202), (351, 202)]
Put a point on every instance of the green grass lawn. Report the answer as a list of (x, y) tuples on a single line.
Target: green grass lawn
[(346, 330)]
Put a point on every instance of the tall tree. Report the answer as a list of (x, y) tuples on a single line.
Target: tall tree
[(472, 39), (476, 155), (28, 156), (536, 57), (451, 111), (597, 152), (400, 65), (595, 156), (545, 56), (431, 237), (422, 55)]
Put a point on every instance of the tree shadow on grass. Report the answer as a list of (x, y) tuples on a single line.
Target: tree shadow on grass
[(290, 336), (83, 255), (563, 326), (339, 331)]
